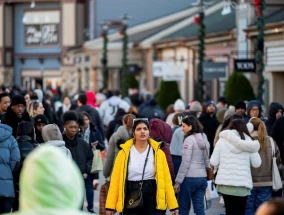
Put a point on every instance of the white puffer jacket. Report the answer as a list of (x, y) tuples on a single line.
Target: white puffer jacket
[(235, 158)]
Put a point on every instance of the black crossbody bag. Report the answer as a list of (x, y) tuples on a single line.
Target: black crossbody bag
[(134, 199)]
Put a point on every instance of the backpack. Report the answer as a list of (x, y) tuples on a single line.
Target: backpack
[(110, 113)]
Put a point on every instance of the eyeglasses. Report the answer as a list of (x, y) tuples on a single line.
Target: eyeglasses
[(140, 119)]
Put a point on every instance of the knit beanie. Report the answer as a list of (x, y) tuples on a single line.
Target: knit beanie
[(229, 113), (40, 119), (179, 105), (51, 132), (18, 99), (240, 105), (196, 107), (210, 103), (220, 115)]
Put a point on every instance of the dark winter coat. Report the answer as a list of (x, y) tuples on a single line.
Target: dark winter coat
[(278, 135), (210, 125), (152, 110), (273, 109), (81, 153), (95, 117), (59, 114), (162, 132), (95, 135), (251, 104), (11, 119), (9, 161), (26, 146)]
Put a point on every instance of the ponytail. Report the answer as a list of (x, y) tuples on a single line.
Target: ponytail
[(260, 127)]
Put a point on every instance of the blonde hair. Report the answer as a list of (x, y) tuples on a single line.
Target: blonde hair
[(33, 105), (259, 126)]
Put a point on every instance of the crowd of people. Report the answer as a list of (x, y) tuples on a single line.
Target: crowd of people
[(154, 159)]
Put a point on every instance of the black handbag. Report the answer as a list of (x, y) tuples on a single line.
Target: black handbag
[(134, 199)]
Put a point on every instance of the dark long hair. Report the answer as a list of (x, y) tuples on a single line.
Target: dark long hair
[(229, 120), (240, 127), (196, 125), (26, 128)]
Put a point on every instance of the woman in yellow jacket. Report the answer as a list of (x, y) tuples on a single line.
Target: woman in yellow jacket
[(157, 189)]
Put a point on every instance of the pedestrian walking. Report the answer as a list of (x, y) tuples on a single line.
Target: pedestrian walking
[(9, 163), (191, 182), (39, 122), (262, 176), (141, 170), (235, 152), (35, 108), (275, 112)]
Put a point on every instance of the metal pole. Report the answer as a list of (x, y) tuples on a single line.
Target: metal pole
[(124, 82)]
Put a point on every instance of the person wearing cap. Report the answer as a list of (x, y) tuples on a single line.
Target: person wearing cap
[(5, 102), (240, 108), (179, 107), (16, 113), (39, 122), (210, 123), (51, 135), (253, 110)]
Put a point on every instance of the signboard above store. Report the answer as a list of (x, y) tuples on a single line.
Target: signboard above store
[(245, 65), (168, 71), (212, 70)]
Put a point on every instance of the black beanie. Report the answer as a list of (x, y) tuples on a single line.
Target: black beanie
[(18, 99), (40, 119), (240, 104)]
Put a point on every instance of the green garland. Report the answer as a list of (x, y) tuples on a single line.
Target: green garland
[(260, 51), (201, 55), (104, 62), (124, 74)]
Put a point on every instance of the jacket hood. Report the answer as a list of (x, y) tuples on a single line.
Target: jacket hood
[(160, 129), (237, 145), (253, 103), (39, 94), (5, 131), (91, 98), (273, 109), (122, 133), (50, 181), (57, 143), (114, 101), (199, 138), (127, 145), (51, 132)]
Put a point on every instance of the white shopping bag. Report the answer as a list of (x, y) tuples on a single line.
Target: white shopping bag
[(213, 192)]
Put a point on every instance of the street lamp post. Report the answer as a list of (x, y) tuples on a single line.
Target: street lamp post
[(105, 57), (124, 72)]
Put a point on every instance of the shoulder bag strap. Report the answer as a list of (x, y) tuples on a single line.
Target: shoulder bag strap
[(145, 166), (272, 146)]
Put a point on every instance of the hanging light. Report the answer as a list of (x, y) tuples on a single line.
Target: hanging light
[(33, 4), (226, 10)]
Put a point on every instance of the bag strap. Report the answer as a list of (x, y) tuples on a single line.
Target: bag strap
[(145, 167), (272, 146)]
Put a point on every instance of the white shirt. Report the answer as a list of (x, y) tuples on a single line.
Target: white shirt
[(136, 165)]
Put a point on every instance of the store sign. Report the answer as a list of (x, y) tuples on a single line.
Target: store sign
[(245, 65), (213, 70), (41, 27), (168, 71), (45, 34)]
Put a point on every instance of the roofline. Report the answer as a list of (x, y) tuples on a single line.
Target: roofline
[(214, 37), (269, 29), (148, 25), (149, 41)]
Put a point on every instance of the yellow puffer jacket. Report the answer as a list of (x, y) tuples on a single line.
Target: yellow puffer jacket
[(165, 193)]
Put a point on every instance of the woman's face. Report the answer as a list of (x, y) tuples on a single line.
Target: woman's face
[(86, 122), (71, 129), (186, 128), (66, 101), (141, 132), (40, 109)]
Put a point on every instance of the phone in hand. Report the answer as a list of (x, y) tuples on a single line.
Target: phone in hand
[(94, 145)]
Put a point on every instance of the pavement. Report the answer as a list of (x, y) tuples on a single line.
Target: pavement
[(215, 209)]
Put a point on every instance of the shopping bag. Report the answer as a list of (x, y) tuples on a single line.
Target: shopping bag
[(207, 201), (212, 189), (103, 197), (276, 179), (97, 164)]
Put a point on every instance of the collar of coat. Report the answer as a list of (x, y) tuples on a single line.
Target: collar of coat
[(127, 145)]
